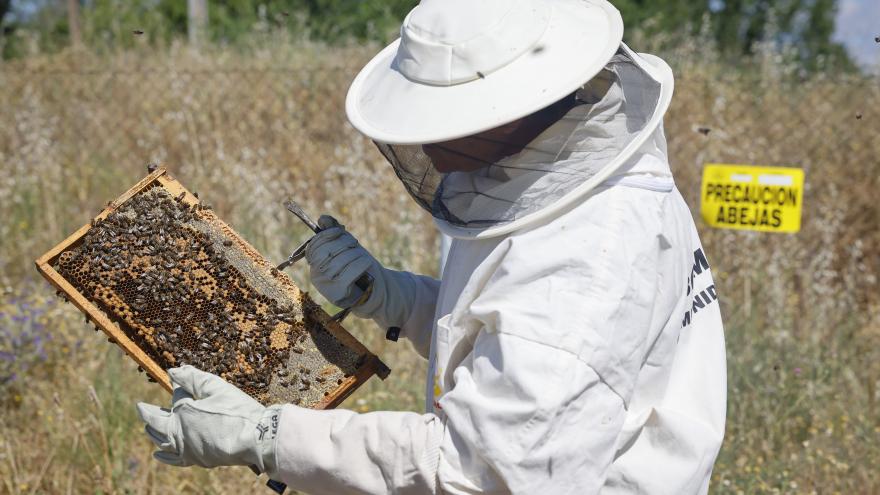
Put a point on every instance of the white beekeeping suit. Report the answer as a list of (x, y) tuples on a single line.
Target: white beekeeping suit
[(574, 342), (445, 244)]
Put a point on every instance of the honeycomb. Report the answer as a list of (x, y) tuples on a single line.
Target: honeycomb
[(186, 290)]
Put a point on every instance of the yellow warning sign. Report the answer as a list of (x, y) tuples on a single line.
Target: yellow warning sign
[(745, 197)]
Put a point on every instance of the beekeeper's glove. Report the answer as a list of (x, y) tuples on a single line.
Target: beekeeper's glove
[(211, 423), (336, 260)]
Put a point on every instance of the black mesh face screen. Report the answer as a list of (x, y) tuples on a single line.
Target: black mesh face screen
[(415, 169), (503, 174)]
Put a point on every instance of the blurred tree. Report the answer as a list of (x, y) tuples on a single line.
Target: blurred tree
[(329, 20), (663, 15), (110, 24), (367, 19), (740, 26), (6, 29), (73, 22), (196, 20), (816, 47), (5, 5)]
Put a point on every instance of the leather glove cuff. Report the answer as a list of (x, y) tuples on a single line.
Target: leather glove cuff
[(392, 299), (266, 434)]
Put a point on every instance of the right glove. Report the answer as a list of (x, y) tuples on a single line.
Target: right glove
[(336, 260)]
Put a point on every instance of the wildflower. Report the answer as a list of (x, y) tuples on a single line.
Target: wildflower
[(797, 372)]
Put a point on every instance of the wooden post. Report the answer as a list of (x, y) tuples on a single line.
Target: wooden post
[(73, 22), (197, 21)]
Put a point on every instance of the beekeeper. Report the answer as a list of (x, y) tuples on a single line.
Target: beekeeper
[(574, 342)]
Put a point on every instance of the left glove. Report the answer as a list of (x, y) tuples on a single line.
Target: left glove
[(336, 260), (211, 423)]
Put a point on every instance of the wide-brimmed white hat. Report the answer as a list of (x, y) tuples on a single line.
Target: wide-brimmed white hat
[(464, 66)]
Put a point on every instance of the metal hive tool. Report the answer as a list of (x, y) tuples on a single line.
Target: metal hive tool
[(172, 284)]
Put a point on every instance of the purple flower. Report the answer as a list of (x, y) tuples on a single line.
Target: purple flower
[(25, 342), (797, 372), (133, 465)]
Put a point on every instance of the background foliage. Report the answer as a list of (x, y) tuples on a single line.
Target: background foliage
[(736, 27)]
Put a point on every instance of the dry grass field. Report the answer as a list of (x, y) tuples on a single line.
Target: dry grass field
[(249, 129)]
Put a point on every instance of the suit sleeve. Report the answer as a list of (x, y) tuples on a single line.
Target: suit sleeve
[(519, 432), (340, 452)]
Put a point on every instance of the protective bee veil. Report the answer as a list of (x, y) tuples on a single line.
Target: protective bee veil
[(466, 184)]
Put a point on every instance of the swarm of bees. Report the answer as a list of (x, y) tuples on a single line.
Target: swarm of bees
[(156, 267)]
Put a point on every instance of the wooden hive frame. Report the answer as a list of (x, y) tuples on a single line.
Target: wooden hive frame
[(160, 177)]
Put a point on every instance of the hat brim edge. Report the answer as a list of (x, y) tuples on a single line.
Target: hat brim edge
[(398, 127)]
